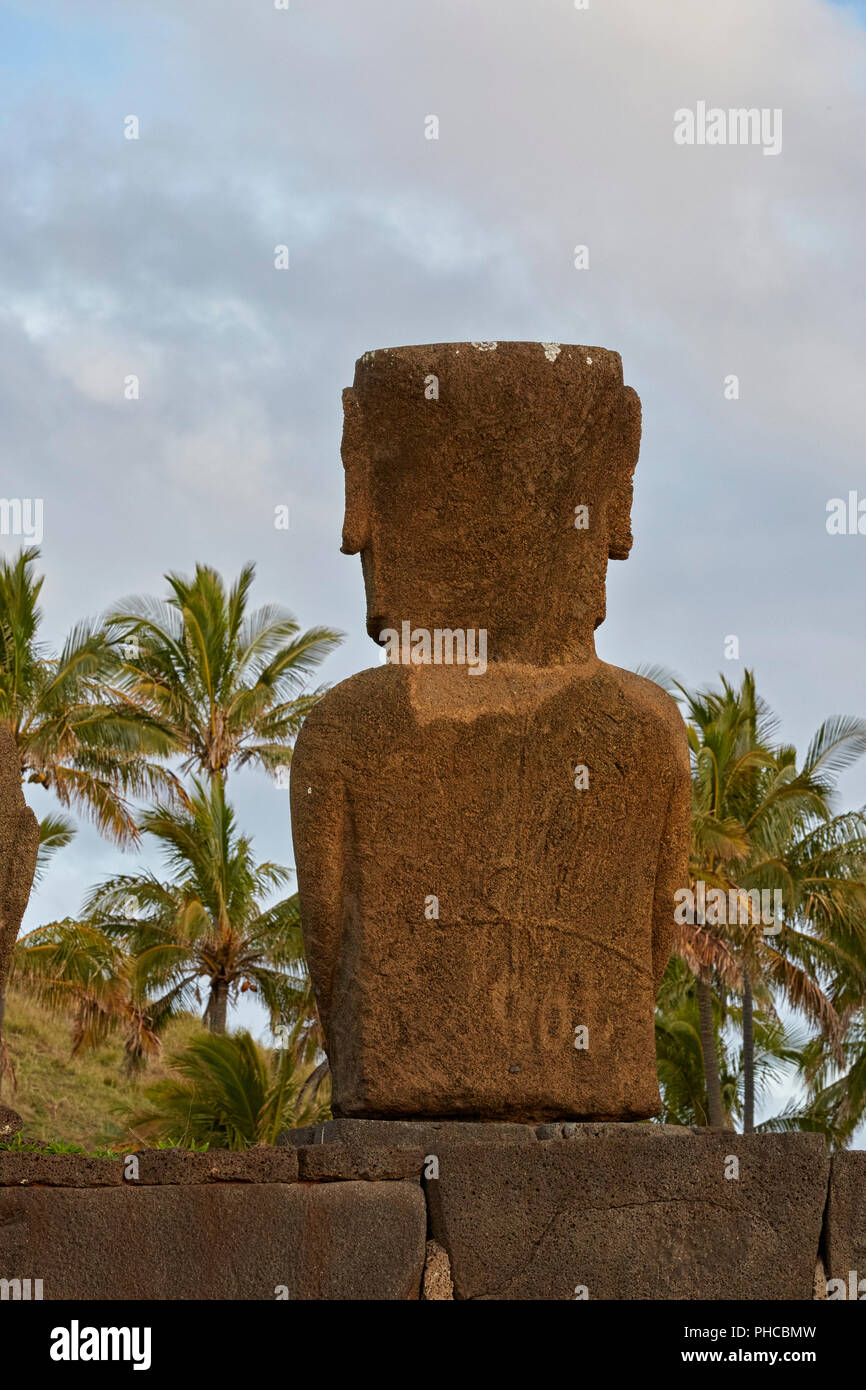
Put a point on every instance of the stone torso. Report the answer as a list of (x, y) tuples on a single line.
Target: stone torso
[(499, 841)]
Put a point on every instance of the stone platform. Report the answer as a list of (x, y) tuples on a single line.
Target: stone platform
[(617, 1211), (393, 1210)]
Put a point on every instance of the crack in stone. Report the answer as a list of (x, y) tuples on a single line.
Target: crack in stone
[(515, 1274)]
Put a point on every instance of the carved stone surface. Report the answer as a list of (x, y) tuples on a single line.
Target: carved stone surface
[(19, 843), (487, 858)]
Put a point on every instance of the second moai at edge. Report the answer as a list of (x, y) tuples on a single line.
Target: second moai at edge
[(19, 846)]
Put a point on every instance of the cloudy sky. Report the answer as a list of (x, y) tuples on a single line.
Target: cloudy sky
[(305, 127)]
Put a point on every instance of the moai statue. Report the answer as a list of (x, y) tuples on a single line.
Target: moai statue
[(19, 843), (490, 828)]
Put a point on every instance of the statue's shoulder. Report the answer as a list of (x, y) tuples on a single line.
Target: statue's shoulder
[(356, 704), (659, 713)]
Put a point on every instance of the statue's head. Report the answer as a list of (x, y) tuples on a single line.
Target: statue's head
[(487, 485)]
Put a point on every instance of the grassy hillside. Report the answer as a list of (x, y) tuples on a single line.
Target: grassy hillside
[(81, 1100)]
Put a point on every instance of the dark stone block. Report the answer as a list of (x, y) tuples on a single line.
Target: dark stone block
[(335, 1241), (408, 1134), (633, 1216), (157, 1167), (372, 1163), (58, 1170), (599, 1129), (845, 1231)]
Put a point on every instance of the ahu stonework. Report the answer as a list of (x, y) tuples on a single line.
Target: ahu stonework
[(490, 827)]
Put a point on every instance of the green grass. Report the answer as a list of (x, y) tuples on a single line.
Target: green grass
[(74, 1102), (20, 1145)]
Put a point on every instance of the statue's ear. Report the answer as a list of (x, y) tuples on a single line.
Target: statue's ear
[(625, 444), (356, 523)]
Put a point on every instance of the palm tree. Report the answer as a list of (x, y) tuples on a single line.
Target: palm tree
[(208, 922), (76, 735), (836, 1075), (810, 962), (760, 822), (836, 1098), (74, 968), (229, 1094), (136, 959), (225, 686), (680, 1049)]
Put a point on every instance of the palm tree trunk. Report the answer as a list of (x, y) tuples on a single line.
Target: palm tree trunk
[(748, 1056), (708, 1047), (311, 1086), (217, 1004)]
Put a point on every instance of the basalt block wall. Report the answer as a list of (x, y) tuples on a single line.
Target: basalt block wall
[(514, 1213), (209, 1226)]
